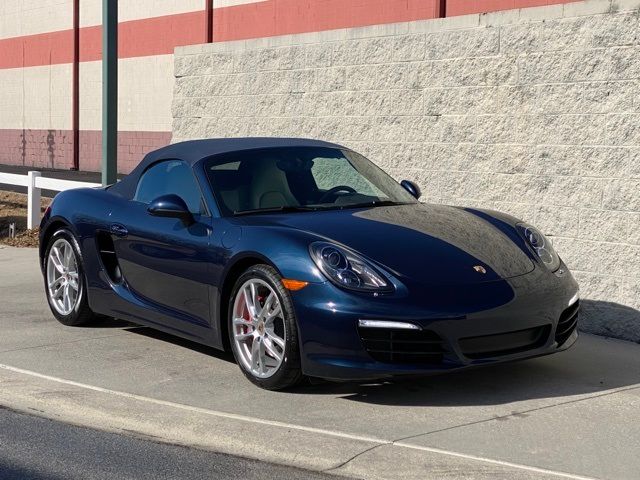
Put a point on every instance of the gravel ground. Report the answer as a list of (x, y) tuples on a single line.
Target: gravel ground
[(13, 209)]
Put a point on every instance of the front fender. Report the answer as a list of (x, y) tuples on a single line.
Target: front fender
[(287, 250)]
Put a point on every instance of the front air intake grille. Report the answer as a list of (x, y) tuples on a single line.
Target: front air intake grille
[(567, 323), (403, 346), (508, 343)]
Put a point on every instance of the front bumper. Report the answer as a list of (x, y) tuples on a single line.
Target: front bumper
[(459, 326)]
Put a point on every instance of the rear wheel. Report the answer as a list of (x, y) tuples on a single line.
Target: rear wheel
[(64, 280), (263, 330)]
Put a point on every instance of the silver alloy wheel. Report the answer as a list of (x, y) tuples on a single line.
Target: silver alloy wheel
[(259, 329), (63, 280)]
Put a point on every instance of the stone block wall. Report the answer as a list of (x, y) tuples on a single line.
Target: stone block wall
[(535, 112)]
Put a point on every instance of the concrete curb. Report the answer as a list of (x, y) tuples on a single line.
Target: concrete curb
[(275, 442)]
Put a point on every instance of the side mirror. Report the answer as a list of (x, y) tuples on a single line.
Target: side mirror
[(170, 206), (412, 188)]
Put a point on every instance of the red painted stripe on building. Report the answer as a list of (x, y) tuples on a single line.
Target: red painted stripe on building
[(281, 17), (465, 7), (33, 50), (137, 38), (160, 35)]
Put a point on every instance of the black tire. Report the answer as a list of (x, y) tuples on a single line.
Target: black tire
[(289, 372), (81, 314)]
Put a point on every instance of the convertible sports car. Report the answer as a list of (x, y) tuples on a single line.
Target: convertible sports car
[(305, 259)]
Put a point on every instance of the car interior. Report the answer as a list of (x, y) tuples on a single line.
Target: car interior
[(273, 179)]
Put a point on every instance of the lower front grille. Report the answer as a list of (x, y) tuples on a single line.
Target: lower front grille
[(488, 346), (568, 323), (403, 346)]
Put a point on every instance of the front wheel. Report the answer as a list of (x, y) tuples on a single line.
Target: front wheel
[(263, 330)]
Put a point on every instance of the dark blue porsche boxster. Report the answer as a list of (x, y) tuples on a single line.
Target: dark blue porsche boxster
[(305, 259)]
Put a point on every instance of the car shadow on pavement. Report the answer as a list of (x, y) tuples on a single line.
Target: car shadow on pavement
[(115, 323), (108, 322), (496, 385), (196, 347)]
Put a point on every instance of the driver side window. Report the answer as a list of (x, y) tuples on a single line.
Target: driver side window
[(170, 177)]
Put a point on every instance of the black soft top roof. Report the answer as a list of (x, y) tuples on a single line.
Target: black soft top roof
[(194, 151)]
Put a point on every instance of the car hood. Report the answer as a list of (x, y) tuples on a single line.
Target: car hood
[(420, 242)]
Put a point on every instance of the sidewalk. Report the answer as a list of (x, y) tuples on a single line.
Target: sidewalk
[(572, 415)]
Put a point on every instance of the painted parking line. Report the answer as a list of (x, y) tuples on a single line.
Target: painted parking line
[(205, 411), (494, 461), (330, 433)]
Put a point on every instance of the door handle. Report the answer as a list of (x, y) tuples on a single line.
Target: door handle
[(119, 230)]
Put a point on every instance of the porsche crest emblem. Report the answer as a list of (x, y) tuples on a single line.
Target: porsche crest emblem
[(480, 269)]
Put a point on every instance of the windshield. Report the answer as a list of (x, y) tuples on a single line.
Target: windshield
[(293, 179)]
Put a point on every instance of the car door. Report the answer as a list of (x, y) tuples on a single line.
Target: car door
[(165, 261)]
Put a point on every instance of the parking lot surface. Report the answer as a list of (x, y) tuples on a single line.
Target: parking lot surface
[(572, 415)]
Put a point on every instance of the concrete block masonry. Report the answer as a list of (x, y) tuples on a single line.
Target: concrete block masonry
[(536, 115)]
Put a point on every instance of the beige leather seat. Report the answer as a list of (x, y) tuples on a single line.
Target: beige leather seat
[(269, 186)]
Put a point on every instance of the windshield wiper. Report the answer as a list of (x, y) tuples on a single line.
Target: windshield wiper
[(284, 209), (302, 208), (374, 203)]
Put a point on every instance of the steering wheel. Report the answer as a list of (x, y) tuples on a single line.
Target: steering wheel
[(334, 190)]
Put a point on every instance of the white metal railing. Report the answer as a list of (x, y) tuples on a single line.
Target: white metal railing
[(35, 182)]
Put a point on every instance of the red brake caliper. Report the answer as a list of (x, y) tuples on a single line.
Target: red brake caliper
[(245, 313)]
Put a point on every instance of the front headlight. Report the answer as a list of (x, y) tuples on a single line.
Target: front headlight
[(348, 270), (541, 245)]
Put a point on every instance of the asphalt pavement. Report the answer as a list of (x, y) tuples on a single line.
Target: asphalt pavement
[(35, 448), (572, 415)]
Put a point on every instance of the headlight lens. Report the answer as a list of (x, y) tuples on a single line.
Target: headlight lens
[(348, 270), (541, 245)]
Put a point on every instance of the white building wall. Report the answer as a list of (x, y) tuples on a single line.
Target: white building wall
[(91, 10), (31, 17), (145, 88), (36, 97)]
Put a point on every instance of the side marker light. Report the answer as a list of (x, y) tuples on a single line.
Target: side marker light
[(293, 285)]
